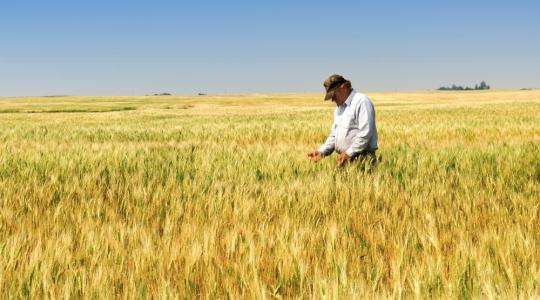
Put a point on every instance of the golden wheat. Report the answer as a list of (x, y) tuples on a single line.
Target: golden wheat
[(214, 197)]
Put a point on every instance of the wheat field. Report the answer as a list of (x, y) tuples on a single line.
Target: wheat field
[(214, 197)]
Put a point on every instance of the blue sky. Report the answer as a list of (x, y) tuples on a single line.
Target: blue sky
[(144, 47)]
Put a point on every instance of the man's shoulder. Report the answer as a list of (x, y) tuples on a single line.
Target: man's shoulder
[(360, 97)]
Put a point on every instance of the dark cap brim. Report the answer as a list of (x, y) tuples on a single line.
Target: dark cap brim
[(329, 95)]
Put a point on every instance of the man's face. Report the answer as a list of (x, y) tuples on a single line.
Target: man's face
[(340, 95)]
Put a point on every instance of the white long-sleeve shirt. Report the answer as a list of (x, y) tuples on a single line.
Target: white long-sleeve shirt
[(354, 129)]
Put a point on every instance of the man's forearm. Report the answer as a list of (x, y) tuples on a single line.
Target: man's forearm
[(360, 143), (326, 149)]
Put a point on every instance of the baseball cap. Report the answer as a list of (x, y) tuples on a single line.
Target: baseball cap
[(330, 84)]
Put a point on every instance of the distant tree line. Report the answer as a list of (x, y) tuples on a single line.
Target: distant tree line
[(481, 86)]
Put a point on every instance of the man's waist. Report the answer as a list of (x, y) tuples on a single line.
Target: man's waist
[(363, 152)]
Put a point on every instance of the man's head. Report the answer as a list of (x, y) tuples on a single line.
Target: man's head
[(337, 88)]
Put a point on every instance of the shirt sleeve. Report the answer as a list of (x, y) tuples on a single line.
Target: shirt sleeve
[(328, 147), (365, 115)]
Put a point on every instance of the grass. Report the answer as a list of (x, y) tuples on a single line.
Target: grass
[(213, 197)]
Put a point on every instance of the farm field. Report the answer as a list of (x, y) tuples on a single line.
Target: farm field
[(214, 197)]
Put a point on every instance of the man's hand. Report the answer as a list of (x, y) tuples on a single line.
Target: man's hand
[(315, 156), (342, 159)]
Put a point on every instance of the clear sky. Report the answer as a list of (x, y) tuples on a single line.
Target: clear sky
[(98, 47)]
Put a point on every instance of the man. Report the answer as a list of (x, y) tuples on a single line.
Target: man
[(353, 134)]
